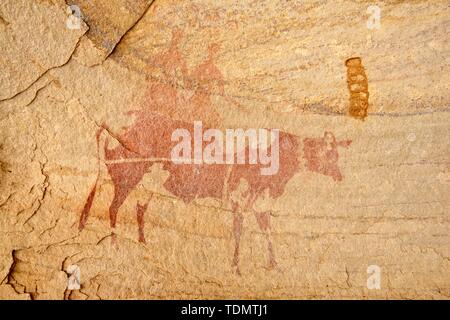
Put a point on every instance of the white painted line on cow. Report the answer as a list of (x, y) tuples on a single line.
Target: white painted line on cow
[(131, 160)]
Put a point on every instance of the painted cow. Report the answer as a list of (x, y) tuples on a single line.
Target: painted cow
[(149, 142)]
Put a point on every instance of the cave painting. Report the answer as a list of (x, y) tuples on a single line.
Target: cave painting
[(148, 142), (183, 94), (321, 155)]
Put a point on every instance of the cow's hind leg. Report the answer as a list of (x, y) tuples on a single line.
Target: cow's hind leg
[(119, 197), (125, 178), (263, 219), (140, 212), (238, 220)]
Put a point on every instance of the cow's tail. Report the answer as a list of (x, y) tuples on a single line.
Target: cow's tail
[(90, 199)]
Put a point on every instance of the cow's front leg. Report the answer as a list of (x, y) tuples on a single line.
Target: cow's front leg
[(238, 220), (263, 219)]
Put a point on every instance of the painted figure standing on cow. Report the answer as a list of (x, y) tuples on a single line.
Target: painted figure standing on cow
[(148, 142), (181, 94), (171, 72), (206, 80)]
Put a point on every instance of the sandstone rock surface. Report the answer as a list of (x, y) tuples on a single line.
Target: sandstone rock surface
[(369, 190)]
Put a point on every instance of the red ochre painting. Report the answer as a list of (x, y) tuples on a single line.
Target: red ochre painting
[(148, 141), (224, 149)]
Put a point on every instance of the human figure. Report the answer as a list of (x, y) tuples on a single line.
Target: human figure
[(163, 93), (206, 80)]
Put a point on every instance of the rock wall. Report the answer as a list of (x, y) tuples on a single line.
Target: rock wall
[(82, 195)]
